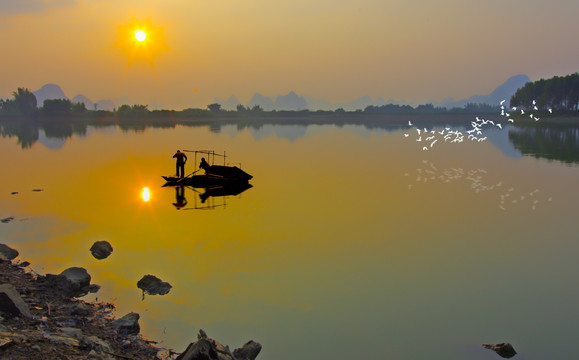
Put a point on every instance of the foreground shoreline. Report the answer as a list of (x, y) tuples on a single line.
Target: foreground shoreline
[(39, 321)]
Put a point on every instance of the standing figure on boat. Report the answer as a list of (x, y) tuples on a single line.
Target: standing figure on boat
[(181, 160), (204, 165)]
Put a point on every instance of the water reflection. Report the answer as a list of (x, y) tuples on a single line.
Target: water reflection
[(508, 196), (553, 143), (207, 198)]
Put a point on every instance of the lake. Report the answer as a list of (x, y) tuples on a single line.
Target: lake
[(353, 242)]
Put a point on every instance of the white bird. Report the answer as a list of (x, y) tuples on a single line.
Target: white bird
[(405, 135), (419, 138), (535, 108), (534, 102), (514, 108), (409, 123), (522, 112), (418, 131), (511, 120), (424, 148), (536, 118), (551, 111), (432, 144), (502, 102), (500, 126)]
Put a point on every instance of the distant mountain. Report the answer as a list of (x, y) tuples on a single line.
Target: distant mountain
[(264, 102), (48, 91), (290, 101), (502, 92), (88, 104)]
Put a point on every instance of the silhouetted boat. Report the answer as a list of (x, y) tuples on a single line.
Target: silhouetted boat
[(215, 175)]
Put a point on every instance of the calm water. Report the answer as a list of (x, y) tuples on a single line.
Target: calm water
[(352, 243)]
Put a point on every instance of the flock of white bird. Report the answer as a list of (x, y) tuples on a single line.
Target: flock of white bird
[(508, 197), (428, 138)]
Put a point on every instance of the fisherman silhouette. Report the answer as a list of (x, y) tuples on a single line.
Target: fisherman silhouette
[(180, 200), (181, 160), (204, 165)]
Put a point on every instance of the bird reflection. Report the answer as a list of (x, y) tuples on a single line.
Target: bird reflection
[(508, 197)]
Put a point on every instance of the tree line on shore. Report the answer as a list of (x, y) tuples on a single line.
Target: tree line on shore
[(24, 103), (558, 93)]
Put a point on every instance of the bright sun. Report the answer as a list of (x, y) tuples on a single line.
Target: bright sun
[(140, 35), (141, 41)]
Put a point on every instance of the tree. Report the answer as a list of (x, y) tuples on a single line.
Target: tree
[(56, 107), (132, 110), (215, 107), (25, 101), (256, 108)]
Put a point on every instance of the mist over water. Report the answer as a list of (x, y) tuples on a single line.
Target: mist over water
[(352, 242)]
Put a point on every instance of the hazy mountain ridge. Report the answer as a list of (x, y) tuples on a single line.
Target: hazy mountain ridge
[(292, 101), (53, 91), (295, 102)]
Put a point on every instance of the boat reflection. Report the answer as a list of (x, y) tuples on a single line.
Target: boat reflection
[(207, 198)]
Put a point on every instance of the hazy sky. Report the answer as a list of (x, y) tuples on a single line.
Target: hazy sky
[(338, 50)]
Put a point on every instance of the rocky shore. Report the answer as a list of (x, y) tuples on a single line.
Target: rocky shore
[(42, 318)]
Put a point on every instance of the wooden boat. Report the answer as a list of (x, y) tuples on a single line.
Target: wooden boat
[(215, 175)]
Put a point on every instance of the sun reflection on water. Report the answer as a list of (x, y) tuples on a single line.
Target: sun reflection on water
[(146, 194)]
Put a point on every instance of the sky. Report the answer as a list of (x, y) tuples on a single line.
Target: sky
[(198, 50)]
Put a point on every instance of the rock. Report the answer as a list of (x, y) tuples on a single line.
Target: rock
[(505, 350), (128, 324), (78, 276), (152, 285), (206, 348), (11, 303), (101, 250), (202, 349), (72, 282), (7, 251), (248, 351), (66, 340), (7, 219), (94, 343)]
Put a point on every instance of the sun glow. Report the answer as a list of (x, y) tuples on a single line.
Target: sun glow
[(140, 35), (141, 41), (146, 194)]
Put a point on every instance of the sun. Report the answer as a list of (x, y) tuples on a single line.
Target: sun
[(140, 35), (141, 41)]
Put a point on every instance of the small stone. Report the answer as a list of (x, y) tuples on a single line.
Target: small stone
[(248, 351), (152, 285), (504, 350), (11, 302), (8, 251), (128, 324), (72, 282), (101, 250), (77, 275)]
